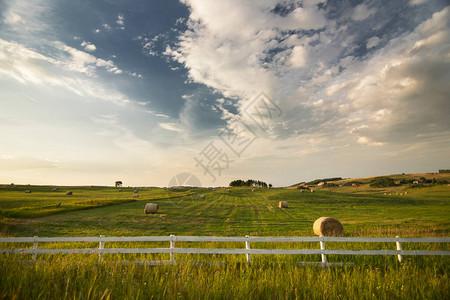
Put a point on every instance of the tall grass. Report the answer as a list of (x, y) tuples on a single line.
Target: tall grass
[(73, 277)]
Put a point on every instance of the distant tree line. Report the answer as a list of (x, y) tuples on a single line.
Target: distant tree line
[(387, 182), (249, 182), (444, 171)]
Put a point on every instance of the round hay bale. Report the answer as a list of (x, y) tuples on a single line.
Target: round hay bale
[(406, 193), (328, 227), (55, 189), (136, 191), (312, 191), (151, 208), (27, 192), (135, 196), (68, 193), (202, 197), (282, 204)]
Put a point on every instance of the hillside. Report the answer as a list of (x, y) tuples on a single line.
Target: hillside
[(362, 184)]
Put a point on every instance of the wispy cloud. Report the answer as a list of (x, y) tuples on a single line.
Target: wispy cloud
[(26, 163), (171, 127)]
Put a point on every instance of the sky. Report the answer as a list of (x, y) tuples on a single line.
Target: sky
[(201, 92)]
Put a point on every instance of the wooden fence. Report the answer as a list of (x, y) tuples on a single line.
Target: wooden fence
[(246, 250)]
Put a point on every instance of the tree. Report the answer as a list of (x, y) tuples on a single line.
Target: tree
[(249, 183), (118, 183)]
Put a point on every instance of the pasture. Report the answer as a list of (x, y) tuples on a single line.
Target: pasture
[(94, 211)]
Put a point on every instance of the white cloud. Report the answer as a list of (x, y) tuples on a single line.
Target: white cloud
[(417, 2), (88, 46), (372, 42), (298, 57), (162, 116), (121, 21), (362, 12), (232, 61), (322, 91)]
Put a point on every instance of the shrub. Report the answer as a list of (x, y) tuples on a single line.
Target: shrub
[(382, 182)]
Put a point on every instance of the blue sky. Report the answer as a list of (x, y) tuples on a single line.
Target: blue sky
[(281, 91)]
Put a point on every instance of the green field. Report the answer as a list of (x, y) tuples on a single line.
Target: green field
[(93, 211)]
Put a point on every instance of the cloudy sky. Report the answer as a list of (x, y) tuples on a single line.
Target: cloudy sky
[(93, 91)]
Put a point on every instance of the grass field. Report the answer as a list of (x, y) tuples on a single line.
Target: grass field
[(93, 211)]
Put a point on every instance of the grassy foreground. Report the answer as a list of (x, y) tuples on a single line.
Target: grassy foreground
[(223, 212), (70, 278)]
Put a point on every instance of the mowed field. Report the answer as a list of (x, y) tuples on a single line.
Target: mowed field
[(93, 211)]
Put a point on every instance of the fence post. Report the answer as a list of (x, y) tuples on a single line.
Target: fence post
[(101, 246), (247, 246), (399, 248), (172, 246), (35, 246), (322, 247)]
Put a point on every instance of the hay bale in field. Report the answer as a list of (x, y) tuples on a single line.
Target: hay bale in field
[(282, 204), (151, 208), (68, 193), (55, 189), (120, 190), (312, 191), (328, 227), (202, 197), (136, 191), (135, 196), (406, 193), (27, 192)]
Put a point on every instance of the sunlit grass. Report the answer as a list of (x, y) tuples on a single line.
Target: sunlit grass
[(74, 277)]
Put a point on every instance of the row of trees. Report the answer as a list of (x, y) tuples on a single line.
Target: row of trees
[(250, 182), (387, 181)]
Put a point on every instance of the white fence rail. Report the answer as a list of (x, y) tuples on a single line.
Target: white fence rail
[(247, 240)]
